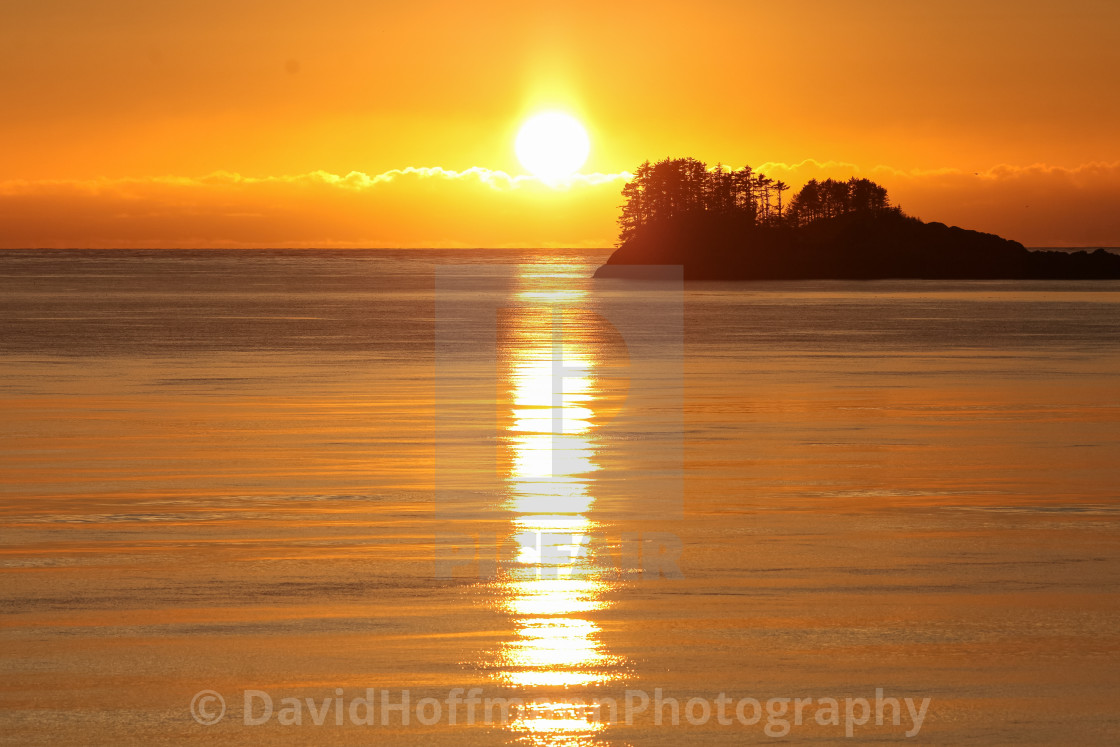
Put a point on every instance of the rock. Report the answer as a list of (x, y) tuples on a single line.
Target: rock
[(858, 245)]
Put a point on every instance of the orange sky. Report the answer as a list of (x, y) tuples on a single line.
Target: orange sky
[(237, 122)]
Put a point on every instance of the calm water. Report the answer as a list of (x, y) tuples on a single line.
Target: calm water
[(313, 473)]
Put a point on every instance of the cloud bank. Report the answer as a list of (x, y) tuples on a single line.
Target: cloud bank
[(1038, 205), (436, 207), (411, 207)]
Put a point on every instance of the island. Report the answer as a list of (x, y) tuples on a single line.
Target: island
[(723, 224)]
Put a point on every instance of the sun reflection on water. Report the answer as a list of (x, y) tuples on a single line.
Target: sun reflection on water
[(549, 382)]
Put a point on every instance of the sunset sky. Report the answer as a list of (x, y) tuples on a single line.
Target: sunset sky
[(359, 123)]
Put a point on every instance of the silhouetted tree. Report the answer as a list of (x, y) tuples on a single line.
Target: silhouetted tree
[(865, 194), (743, 181), (830, 198), (805, 207), (636, 210), (675, 187), (721, 191), (763, 183), (779, 187)]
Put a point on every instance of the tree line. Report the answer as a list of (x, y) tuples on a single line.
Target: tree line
[(675, 187)]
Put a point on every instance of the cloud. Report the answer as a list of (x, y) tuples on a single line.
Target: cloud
[(1039, 205), (354, 180), (414, 206), (495, 179)]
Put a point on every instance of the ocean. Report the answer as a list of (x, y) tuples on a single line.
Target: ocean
[(345, 497)]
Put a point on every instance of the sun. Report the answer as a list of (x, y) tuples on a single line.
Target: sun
[(552, 146)]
